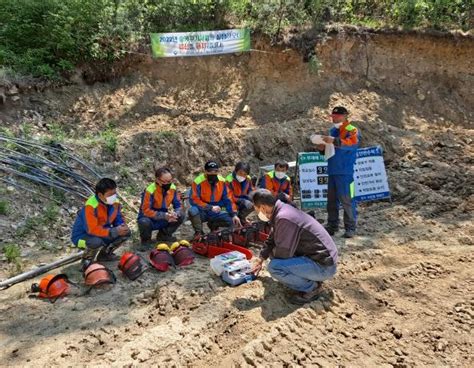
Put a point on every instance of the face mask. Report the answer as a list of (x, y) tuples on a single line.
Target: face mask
[(263, 217), (337, 125), (111, 200), (212, 178), (166, 186), (240, 179), (280, 174)]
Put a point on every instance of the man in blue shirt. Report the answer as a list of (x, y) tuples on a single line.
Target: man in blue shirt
[(345, 138)]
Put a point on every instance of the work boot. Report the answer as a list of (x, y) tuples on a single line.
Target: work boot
[(303, 298), (107, 255), (196, 222), (331, 229), (88, 257), (162, 236), (349, 234), (145, 244)]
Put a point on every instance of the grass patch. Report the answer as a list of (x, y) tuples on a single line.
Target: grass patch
[(12, 254), (26, 130), (57, 131), (110, 139), (31, 223), (3, 208), (166, 134), (50, 213)]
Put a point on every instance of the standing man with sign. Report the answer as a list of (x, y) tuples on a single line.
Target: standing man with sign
[(345, 138)]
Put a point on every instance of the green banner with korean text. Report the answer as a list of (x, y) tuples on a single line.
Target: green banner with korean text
[(200, 43)]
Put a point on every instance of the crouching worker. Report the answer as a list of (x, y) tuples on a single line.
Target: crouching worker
[(211, 202), (278, 182), (240, 185), (160, 209), (303, 254), (99, 228)]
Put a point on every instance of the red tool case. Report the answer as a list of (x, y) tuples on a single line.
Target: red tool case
[(213, 244)]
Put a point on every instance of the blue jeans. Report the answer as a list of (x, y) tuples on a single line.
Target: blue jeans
[(300, 273), (214, 220)]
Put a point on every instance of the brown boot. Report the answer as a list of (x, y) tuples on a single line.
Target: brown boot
[(310, 296)]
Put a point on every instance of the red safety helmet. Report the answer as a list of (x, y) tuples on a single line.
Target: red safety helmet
[(131, 265), (161, 259), (183, 256), (52, 287), (97, 274)]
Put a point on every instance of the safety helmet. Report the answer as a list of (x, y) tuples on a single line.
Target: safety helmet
[(163, 246), (97, 274), (174, 246), (52, 287), (131, 265), (184, 243), (183, 256), (161, 259), (181, 243)]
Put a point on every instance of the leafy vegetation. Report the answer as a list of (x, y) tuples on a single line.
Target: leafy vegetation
[(49, 38), (110, 139), (12, 254), (3, 207)]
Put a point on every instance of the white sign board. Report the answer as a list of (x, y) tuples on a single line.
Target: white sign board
[(370, 177), (200, 43)]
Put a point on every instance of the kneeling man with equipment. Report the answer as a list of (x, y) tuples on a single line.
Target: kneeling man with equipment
[(303, 253)]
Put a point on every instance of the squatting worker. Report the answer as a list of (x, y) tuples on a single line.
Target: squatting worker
[(302, 253), (211, 201), (345, 138), (160, 209), (99, 227)]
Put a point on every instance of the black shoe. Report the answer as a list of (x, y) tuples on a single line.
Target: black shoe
[(331, 230), (165, 237), (145, 245), (349, 234), (85, 263), (105, 256)]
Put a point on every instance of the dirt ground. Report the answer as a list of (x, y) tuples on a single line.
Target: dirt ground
[(403, 295)]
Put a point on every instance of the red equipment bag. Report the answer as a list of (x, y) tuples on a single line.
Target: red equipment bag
[(214, 244), (245, 236)]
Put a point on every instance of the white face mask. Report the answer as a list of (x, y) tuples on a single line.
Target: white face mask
[(111, 200), (280, 174), (240, 179), (337, 125), (263, 217)]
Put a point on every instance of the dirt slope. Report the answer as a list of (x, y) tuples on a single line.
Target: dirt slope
[(404, 292)]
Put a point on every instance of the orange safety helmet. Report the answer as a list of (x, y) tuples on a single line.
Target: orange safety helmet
[(131, 265), (52, 287), (97, 274)]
